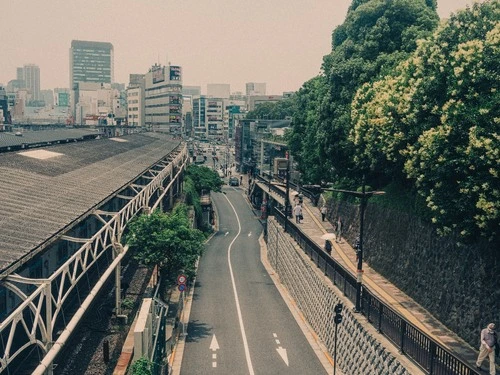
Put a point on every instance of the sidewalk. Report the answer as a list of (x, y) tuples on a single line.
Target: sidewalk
[(343, 253)]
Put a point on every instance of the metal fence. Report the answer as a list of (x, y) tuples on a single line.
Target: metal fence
[(415, 344)]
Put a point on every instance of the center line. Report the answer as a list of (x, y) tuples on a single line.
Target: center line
[(236, 299)]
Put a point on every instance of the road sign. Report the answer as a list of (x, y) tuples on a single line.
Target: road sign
[(181, 279), (182, 287)]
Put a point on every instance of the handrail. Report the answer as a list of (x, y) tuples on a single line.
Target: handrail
[(422, 349)]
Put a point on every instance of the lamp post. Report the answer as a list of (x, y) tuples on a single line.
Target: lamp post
[(364, 196), (287, 194)]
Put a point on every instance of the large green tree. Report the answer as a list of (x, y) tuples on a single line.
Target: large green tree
[(374, 38), (436, 120), (204, 179), (166, 240)]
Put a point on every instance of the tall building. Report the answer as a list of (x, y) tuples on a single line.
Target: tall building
[(254, 88), (90, 62), (219, 90), (31, 77), (191, 90), (163, 99), (135, 100), (199, 120)]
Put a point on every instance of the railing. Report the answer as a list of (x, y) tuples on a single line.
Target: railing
[(411, 341)]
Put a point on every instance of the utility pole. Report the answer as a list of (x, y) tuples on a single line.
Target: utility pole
[(287, 196), (363, 195)]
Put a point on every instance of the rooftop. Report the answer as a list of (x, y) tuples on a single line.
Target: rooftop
[(44, 190)]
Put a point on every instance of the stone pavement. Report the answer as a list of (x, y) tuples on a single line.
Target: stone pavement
[(343, 253)]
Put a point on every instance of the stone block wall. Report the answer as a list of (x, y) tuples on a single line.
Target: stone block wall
[(359, 352), (458, 284)]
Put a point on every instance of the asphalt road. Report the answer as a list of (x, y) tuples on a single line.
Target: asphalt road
[(239, 323)]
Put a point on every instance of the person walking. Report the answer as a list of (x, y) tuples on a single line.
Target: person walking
[(338, 238), (323, 213), (487, 348), (297, 211)]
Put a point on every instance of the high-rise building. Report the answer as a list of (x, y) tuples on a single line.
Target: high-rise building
[(254, 88), (219, 90), (191, 90), (90, 62), (163, 99), (135, 100), (199, 119), (31, 77)]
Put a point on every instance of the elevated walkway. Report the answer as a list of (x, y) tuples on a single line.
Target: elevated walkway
[(343, 253)]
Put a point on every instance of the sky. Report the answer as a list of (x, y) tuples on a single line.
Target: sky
[(279, 42)]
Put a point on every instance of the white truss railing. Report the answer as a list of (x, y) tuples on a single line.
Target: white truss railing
[(33, 320)]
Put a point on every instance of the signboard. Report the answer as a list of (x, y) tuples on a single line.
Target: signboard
[(63, 99), (158, 74), (175, 73), (181, 279)]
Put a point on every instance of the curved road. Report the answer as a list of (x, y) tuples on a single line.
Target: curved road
[(239, 323)]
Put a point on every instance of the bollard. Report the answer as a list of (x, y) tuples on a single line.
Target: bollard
[(105, 351)]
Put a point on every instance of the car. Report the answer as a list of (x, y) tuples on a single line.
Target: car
[(234, 181)]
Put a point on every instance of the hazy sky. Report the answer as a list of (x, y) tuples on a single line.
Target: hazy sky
[(280, 42)]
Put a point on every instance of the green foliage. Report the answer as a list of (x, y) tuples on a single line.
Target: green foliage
[(142, 367), (204, 179), (127, 303), (274, 111), (166, 240), (435, 120), (374, 38)]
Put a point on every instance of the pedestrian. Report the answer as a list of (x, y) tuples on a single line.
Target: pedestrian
[(323, 213), (339, 230), (241, 179), (297, 211), (328, 247), (487, 348)]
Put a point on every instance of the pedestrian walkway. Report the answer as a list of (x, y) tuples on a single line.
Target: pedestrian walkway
[(344, 254)]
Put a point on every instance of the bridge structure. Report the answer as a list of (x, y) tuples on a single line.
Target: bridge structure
[(64, 210)]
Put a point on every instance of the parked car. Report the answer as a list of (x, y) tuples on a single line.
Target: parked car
[(234, 181)]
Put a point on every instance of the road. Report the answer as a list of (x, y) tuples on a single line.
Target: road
[(239, 323)]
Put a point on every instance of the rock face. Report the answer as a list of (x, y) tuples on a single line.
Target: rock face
[(358, 351), (458, 284)]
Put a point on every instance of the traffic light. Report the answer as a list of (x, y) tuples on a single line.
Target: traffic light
[(338, 313)]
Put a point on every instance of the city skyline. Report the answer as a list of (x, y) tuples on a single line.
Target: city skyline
[(280, 43)]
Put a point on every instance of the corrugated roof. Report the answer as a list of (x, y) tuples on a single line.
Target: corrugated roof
[(38, 198), (43, 136)]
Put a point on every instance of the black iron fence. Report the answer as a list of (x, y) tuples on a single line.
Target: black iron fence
[(411, 341)]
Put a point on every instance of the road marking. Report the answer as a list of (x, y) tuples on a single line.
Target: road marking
[(275, 335), (214, 345), (214, 364), (236, 299), (282, 353), (277, 341), (249, 234), (214, 356), (225, 234)]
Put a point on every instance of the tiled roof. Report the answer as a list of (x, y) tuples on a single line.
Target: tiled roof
[(40, 197), (43, 136)]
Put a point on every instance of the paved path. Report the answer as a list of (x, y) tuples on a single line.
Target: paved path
[(314, 228)]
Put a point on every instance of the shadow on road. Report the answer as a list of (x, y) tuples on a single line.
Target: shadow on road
[(197, 331)]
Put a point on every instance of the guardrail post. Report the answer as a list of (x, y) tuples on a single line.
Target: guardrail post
[(432, 352), (380, 312), (402, 338)]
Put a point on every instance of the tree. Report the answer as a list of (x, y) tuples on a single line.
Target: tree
[(166, 240), (204, 179), (374, 38), (435, 119), (141, 367)]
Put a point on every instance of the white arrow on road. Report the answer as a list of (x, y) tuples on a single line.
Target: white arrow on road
[(214, 345), (282, 353)]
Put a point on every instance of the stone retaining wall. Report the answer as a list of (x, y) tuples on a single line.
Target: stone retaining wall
[(359, 351)]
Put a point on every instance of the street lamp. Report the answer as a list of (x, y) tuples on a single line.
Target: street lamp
[(287, 194), (363, 195)]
